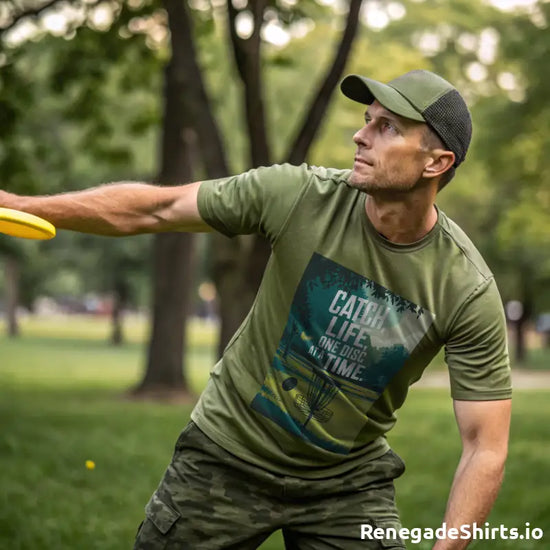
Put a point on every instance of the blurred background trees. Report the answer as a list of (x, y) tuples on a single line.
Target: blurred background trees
[(174, 91)]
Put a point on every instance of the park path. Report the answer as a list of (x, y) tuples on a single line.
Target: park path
[(521, 379)]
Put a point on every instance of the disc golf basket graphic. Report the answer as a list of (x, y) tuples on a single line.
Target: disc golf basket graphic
[(320, 392)]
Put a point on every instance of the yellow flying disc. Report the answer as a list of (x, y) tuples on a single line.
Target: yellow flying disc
[(24, 225)]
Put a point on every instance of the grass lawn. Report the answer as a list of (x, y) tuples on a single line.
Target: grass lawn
[(61, 403)]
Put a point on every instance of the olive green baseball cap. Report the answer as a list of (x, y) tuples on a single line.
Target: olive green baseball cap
[(423, 96)]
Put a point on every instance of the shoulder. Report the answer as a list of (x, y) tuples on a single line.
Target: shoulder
[(464, 279), (303, 173), (278, 179), (463, 250), (259, 200), (334, 175), (328, 177), (280, 172), (273, 177)]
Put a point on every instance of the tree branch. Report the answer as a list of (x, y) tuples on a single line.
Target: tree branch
[(312, 120), (193, 89), (258, 9), (236, 40), (247, 54)]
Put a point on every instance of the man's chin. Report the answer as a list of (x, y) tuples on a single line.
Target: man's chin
[(356, 180), (361, 183)]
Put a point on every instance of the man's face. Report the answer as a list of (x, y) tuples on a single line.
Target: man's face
[(390, 154)]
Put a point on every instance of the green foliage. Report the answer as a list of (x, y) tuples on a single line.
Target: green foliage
[(78, 111), (513, 144), (500, 195), (422, 496), (335, 147), (23, 154)]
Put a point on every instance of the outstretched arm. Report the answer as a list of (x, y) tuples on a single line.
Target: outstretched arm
[(117, 209), (484, 428)]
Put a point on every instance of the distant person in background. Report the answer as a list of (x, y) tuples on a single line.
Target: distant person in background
[(367, 280)]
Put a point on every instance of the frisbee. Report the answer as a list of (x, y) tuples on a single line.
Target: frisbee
[(24, 225)]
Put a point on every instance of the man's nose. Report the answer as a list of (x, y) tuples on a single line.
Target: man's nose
[(362, 137)]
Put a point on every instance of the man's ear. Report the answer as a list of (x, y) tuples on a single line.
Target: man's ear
[(440, 161)]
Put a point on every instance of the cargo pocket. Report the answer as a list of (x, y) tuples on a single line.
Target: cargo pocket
[(388, 542), (182, 438), (400, 464), (160, 514)]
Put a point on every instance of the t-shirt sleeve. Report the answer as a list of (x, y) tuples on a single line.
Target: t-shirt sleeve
[(257, 201), (476, 351)]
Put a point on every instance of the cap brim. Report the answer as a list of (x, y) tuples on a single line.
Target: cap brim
[(365, 90)]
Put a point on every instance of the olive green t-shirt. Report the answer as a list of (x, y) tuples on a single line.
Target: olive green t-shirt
[(343, 323)]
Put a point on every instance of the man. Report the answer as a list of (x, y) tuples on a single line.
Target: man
[(366, 282)]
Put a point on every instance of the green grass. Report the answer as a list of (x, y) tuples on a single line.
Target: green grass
[(427, 439), (62, 403)]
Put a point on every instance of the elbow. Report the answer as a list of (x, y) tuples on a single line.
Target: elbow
[(137, 225), (496, 463), (492, 460)]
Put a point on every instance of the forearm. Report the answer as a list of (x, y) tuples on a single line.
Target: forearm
[(112, 209), (473, 493)]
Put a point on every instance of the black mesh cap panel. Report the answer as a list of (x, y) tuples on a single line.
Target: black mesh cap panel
[(450, 119)]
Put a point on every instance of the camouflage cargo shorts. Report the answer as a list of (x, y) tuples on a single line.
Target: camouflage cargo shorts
[(209, 499)]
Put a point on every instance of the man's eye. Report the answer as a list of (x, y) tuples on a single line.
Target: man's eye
[(388, 126)]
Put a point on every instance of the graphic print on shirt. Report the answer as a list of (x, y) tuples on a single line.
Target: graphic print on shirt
[(346, 337)]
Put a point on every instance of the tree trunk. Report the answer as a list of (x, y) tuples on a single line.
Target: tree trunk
[(173, 252), (13, 275), (233, 302), (236, 297), (239, 263), (120, 297), (172, 280), (528, 302), (311, 123), (117, 332), (520, 344), (197, 104), (228, 253), (247, 53), (238, 278)]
